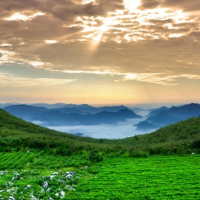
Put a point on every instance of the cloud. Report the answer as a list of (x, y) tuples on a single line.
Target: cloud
[(192, 5), (63, 9), (8, 57), (6, 45), (163, 79), (10, 80), (185, 5), (156, 78), (149, 4), (156, 43), (20, 17)]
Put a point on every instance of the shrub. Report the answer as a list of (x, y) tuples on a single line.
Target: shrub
[(95, 156)]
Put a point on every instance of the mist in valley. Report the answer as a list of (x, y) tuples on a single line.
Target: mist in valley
[(116, 131)]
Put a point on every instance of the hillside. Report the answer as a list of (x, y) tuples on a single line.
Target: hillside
[(186, 111), (24, 111), (182, 137), (157, 110), (16, 134), (163, 118)]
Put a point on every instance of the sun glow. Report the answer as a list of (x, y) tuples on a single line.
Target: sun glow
[(6, 45), (87, 1), (50, 41), (21, 17), (132, 5), (100, 31)]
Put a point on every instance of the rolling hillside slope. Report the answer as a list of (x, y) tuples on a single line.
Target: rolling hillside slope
[(16, 134)]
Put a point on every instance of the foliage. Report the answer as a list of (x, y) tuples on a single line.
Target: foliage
[(19, 135), (95, 156)]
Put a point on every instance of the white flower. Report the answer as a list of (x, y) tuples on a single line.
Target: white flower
[(57, 195), (62, 194), (45, 184)]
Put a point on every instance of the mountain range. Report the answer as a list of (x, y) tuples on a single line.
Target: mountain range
[(164, 116), (17, 134), (74, 115)]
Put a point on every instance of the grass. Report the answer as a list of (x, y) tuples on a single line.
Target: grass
[(157, 177), (36, 159), (23, 174)]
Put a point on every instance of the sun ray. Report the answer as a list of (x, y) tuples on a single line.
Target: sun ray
[(108, 22)]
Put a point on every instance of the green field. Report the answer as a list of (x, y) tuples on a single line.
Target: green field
[(23, 175), (41, 164)]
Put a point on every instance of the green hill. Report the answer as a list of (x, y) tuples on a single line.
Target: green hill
[(17, 134), (38, 163), (182, 137)]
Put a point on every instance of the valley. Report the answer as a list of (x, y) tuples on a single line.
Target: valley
[(111, 122), (39, 163)]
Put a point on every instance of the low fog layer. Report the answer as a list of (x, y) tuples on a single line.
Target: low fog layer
[(117, 131)]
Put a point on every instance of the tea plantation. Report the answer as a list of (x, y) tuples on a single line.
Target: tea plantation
[(33, 176), (170, 177)]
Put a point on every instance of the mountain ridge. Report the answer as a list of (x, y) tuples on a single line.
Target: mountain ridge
[(72, 116), (164, 116)]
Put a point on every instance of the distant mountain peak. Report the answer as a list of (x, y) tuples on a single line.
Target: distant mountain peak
[(145, 126)]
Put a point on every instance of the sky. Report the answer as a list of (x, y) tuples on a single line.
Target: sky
[(99, 51)]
